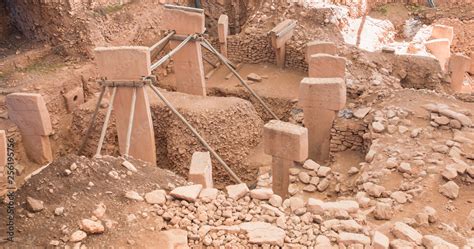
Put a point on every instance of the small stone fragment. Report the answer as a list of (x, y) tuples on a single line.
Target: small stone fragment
[(129, 166), (92, 227), (383, 211), (261, 193), (77, 236), (237, 191), (189, 193), (254, 77), (156, 197), (406, 232), (450, 190), (132, 195), (34, 205)]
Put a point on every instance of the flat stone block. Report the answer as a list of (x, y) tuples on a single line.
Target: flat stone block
[(278, 42), (123, 63), (285, 140), (28, 111), (183, 22), (320, 47), (38, 148), (440, 49), (189, 69), (326, 93), (326, 66), (458, 66), (74, 98), (189, 193), (223, 28), (200, 171), (319, 122), (442, 31), (237, 191), (459, 62)]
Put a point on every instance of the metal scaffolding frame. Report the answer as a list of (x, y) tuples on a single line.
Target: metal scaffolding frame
[(149, 80)]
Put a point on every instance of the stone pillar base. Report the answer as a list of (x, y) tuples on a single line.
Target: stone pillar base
[(281, 176), (319, 122)]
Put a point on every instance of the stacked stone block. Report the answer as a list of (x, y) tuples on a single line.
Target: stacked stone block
[(28, 111)]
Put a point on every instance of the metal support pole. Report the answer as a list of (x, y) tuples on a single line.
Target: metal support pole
[(92, 123), (172, 52), (204, 45), (242, 81), (106, 121), (130, 121), (209, 61), (201, 139), (162, 42)]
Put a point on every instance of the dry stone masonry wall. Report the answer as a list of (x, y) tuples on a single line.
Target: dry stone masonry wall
[(348, 134), (256, 48)]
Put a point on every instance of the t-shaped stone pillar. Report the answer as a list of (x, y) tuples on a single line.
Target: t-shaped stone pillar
[(321, 98), (442, 31), (223, 31), (28, 111), (286, 143), (279, 36), (326, 66), (188, 66), (130, 63), (459, 65), (320, 47)]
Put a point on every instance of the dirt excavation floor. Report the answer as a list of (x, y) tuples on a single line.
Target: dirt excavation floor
[(374, 146)]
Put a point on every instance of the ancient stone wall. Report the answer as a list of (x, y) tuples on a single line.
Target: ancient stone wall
[(348, 134), (231, 126), (256, 48)]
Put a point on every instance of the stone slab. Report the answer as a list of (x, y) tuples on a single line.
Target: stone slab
[(458, 66), (189, 69), (278, 42), (442, 31), (319, 122), (441, 50), (200, 171), (326, 93), (130, 63), (326, 66), (223, 28), (28, 111), (189, 193), (320, 47), (183, 22), (281, 176), (237, 191), (223, 32), (38, 148), (285, 140)]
